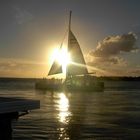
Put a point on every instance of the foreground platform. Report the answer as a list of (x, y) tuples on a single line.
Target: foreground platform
[(13, 108)]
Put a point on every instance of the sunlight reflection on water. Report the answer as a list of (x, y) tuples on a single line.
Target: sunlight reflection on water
[(63, 115), (63, 107)]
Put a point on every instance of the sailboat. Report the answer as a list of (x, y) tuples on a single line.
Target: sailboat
[(77, 76)]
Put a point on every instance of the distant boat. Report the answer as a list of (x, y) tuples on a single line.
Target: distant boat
[(77, 76)]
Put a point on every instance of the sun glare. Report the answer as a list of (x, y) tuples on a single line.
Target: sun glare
[(62, 57)]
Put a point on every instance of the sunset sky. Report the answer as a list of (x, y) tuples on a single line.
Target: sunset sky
[(108, 32)]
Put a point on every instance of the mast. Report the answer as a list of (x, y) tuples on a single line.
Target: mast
[(69, 28), (70, 20)]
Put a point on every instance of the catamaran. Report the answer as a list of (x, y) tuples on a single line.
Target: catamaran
[(77, 77)]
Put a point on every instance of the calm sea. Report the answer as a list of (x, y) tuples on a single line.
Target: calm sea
[(110, 115)]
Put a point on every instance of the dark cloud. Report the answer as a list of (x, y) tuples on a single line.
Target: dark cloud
[(106, 61), (108, 51), (114, 45), (135, 71)]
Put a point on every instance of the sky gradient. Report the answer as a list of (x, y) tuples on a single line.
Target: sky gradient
[(107, 30)]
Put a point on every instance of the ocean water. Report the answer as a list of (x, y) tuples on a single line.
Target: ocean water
[(110, 115)]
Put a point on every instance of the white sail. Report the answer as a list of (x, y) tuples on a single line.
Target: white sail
[(78, 65)]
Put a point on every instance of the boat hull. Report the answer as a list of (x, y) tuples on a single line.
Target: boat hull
[(45, 86), (97, 86), (94, 86)]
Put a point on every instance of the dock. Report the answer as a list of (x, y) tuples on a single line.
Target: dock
[(13, 108)]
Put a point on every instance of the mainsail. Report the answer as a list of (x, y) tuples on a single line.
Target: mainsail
[(77, 65)]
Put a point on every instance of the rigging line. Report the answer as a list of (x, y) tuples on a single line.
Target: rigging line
[(63, 38)]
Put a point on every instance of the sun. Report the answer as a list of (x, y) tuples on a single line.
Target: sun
[(62, 56)]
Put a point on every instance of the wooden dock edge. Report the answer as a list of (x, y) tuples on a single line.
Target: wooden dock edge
[(13, 108)]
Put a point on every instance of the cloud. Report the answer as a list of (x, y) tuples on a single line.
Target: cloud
[(115, 45), (21, 68), (110, 54), (108, 51), (135, 72), (106, 61)]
